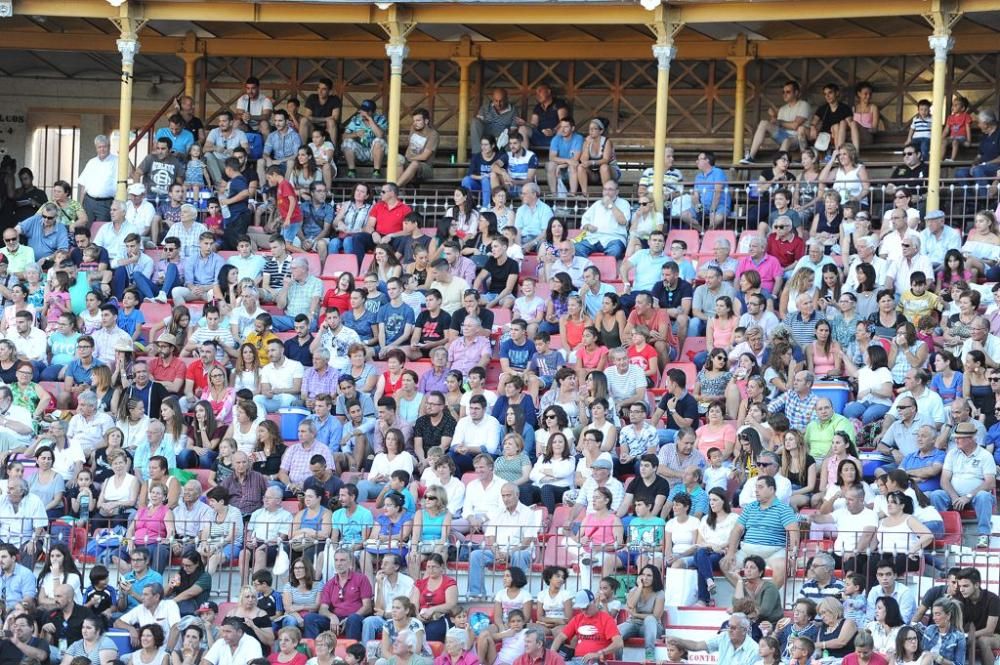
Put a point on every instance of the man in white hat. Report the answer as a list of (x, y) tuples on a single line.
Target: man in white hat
[(138, 211), (596, 633)]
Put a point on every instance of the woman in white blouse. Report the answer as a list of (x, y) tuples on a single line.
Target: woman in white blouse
[(553, 473), (393, 459)]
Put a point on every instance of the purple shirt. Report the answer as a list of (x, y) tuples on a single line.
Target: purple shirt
[(769, 268), (465, 269), (463, 356), (430, 382), (295, 461), (314, 383)]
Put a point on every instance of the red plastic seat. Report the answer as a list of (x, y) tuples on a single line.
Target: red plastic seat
[(690, 238)]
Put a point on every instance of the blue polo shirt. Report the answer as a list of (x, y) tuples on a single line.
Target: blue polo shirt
[(648, 269), (180, 144), (79, 373), (767, 526), (44, 243), (350, 527), (330, 432), (151, 577), (915, 461)]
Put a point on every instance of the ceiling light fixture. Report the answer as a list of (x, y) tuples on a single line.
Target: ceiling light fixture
[(646, 4), (383, 5), (116, 3)]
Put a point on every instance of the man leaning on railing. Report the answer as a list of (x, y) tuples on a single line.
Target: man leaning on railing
[(511, 532), (23, 522)]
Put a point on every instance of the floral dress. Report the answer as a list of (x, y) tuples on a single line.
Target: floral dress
[(712, 387)]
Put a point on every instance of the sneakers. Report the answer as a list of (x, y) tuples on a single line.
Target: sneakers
[(983, 542), (586, 561), (747, 159), (351, 173), (160, 297), (650, 655), (376, 174)]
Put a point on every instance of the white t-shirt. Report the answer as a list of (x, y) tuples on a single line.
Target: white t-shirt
[(799, 109), (869, 379), (850, 526), (683, 534), (382, 466), (507, 604), (554, 607), (281, 378)]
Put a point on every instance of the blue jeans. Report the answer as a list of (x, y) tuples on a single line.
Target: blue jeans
[(650, 630), (369, 491), (479, 559), (280, 401), (482, 185), (189, 459), (705, 561), (866, 412), (982, 172), (982, 503), (313, 624), (359, 244), (51, 373), (371, 627), (615, 248), (148, 290), (924, 146)]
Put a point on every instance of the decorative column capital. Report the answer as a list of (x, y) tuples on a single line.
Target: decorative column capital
[(129, 48), (664, 54), (941, 45), (397, 54)]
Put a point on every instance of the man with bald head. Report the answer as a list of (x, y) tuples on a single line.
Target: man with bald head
[(62, 625), (819, 433), (268, 526), (799, 403), (246, 486), (924, 465), (510, 532)]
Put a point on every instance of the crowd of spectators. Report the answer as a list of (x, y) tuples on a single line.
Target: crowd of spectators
[(442, 402)]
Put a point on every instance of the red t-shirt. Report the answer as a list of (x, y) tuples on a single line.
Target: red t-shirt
[(438, 595), (286, 190), (787, 253), (197, 373), (166, 373), (658, 320), (641, 358), (389, 220), (592, 633), (298, 659), (340, 302)]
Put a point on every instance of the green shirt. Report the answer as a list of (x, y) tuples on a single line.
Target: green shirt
[(647, 531), (819, 436)]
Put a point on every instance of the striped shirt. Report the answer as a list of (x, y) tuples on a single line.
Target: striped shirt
[(767, 526), (622, 386), (803, 332), (799, 410)]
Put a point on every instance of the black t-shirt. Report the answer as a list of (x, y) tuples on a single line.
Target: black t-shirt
[(159, 174), (640, 490), (320, 110), (407, 246), (499, 274), (328, 490), (830, 117), (687, 407), (485, 318), (432, 328), (194, 125), (915, 178), (549, 118), (671, 299), (430, 435), (977, 613)]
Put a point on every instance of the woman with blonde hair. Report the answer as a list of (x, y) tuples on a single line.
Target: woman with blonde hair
[(597, 158), (799, 467), (431, 528), (982, 244)]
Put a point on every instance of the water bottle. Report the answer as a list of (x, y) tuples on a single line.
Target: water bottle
[(84, 507)]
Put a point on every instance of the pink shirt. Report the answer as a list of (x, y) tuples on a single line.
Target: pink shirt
[(769, 269), (463, 355), (149, 525), (347, 602)]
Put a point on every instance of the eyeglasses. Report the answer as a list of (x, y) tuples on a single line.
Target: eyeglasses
[(906, 406), (84, 346), (764, 465), (908, 154), (906, 245), (10, 239), (781, 226), (550, 416), (50, 217), (901, 196)]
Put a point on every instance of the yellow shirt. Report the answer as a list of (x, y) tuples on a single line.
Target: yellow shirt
[(261, 343), (915, 307)]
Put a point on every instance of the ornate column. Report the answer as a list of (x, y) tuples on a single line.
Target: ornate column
[(664, 54), (190, 61), (128, 46), (397, 52), (942, 45)]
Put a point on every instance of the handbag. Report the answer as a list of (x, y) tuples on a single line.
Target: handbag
[(680, 587), (281, 562)]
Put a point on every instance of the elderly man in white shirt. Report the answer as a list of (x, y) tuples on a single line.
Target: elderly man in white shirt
[(268, 527), (23, 522), (511, 530), (891, 247), (912, 261), (566, 260), (606, 223), (88, 426), (866, 254), (937, 238), (154, 608), (99, 180), (112, 236), (234, 646), (768, 464), (981, 339), (138, 210), (814, 259)]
